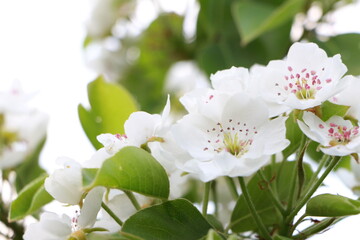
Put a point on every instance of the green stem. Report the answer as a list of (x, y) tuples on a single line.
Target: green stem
[(300, 220), (230, 182), (263, 231), (215, 197), (295, 172), (206, 198), (133, 200), (111, 213), (300, 166), (322, 163), (316, 228), (313, 188), (274, 197)]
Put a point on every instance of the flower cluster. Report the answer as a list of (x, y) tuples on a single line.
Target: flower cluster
[(231, 129)]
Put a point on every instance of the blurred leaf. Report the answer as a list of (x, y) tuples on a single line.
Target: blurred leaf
[(32, 197), (111, 106), (161, 45), (29, 169), (172, 220), (217, 44), (253, 18), (347, 45), (133, 169), (242, 220), (328, 205), (215, 21), (329, 109), (88, 175), (293, 134)]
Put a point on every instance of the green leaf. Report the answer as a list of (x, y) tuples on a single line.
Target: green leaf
[(347, 45), (32, 197), (133, 169), (242, 220), (172, 220), (329, 109), (111, 106), (293, 134), (29, 169), (254, 18), (328, 205)]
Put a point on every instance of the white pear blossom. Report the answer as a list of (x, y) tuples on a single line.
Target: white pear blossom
[(304, 79), (21, 127), (65, 185), (225, 83), (53, 227), (234, 79), (140, 128), (50, 226), (338, 137), (235, 141)]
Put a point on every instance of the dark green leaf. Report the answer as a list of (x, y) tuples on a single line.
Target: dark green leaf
[(133, 169), (172, 220), (31, 198), (241, 219), (328, 205), (111, 106), (254, 18)]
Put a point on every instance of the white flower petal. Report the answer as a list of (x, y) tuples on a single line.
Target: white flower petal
[(91, 207)]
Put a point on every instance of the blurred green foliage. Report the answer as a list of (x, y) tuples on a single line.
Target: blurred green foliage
[(228, 33)]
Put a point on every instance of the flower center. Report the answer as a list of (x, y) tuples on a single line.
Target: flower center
[(231, 136), (304, 84), (341, 135)]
